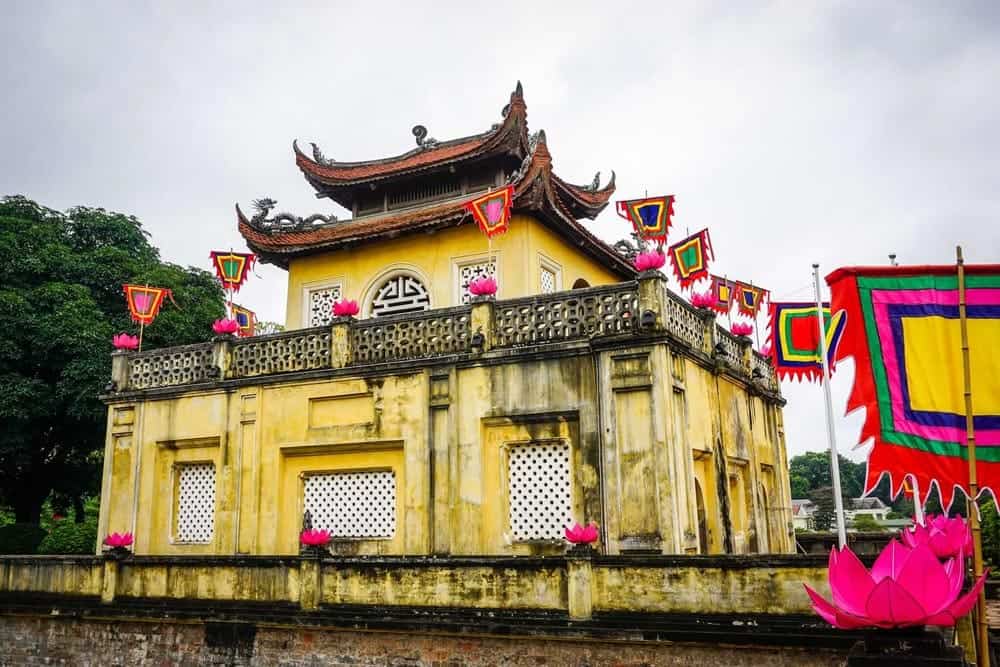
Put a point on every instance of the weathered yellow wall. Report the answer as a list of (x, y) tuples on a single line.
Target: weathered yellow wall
[(433, 257)]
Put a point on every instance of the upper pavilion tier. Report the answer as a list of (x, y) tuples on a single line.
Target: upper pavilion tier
[(426, 188)]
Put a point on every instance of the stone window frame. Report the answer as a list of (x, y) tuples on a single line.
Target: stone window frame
[(315, 286), (304, 477), (175, 501), (393, 271), (575, 499), (546, 263), (462, 261)]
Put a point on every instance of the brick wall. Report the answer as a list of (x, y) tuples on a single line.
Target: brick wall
[(28, 641)]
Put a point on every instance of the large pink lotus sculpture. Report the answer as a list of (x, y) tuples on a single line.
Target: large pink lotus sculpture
[(906, 587), (578, 534), (124, 341), (705, 300), (483, 286), (314, 538), (118, 540), (349, 308), (225, 327), (745, 328), (649, 260), (946, 536)]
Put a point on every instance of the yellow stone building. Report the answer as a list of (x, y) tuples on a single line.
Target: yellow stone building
[(438, 423)]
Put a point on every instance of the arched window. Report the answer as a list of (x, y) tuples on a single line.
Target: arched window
[(400, 293)]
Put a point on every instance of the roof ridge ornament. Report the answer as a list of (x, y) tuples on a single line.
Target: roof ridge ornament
[(283, 222), (320, 158), (423, 141)]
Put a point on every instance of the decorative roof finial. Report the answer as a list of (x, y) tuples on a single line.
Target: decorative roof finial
[(420, 132), (596, 183)]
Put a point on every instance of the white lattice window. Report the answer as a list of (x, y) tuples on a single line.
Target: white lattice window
[(400, 294), (353, 504), (321, 302), (468, 272), (539, 491), (547, 280), (196, 502)]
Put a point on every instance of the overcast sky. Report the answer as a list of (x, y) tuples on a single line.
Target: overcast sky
[(798, 132)]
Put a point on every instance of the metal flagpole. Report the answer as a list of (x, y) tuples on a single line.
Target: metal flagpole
[(838, 500), (982, 634), (918, 507)]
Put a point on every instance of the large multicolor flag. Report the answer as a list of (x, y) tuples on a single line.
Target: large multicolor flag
[(903, 332), (749, 298), (795, 339), (246, 318), (651, 216), (232, 267), (723, 294), (144, 301), (690, 258), (492, 210)]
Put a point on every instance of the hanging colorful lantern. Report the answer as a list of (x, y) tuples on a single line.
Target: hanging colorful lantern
[(651, 216), (232, 268), (492, 210), (144, 302)]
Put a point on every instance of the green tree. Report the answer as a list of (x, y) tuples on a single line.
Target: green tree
[(60, 302), (811, 471), (865, 522), (824, 517)]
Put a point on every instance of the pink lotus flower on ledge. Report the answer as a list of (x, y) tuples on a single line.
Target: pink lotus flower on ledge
[(745, 328), (483, 286), (578, 534), (649, 260), (348, 308), (906, 587), (124, 341), (314, 538), (225, 327), (946, 536), (704, 300), (118, 540)]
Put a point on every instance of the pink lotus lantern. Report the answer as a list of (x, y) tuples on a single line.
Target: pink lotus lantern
[(703, 300), (345, 308), (578, 534), (650, 260), (124, 341), (225, 327), (118, 540), (314, 538), (946, 536), (483, 286), (745, 328), (906, 587)]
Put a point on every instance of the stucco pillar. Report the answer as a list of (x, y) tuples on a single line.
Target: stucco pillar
[(652, 294), (119, 369), (109, 583), (746, 353), (580, 582), (340, 342), (222, 354), (310, 584), (481, 323), (711, 331)]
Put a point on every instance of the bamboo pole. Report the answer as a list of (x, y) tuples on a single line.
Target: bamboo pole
[(838, 498), (982, 629)]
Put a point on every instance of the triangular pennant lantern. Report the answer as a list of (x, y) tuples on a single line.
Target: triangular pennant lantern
[(247, 320), (748, 298), (690, 258), (144, 302), (232, 268), (795, 339), (492, 210), (723, 293), (650, 216)]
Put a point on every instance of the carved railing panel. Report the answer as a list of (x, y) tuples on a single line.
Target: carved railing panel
[(731, 348), (411, 336), (684, 322), (583, 313), (300, 350), (761, 366), (172, 366)]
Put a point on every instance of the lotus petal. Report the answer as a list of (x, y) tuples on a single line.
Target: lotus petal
[(825, 610), (964, 604), (850, 582), (891, 606), (890, 561), (924, 578)]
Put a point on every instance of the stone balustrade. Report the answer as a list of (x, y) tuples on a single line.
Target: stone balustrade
[(643, 308)]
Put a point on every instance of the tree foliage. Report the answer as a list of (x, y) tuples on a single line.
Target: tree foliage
[(811, 471), (824, 518), (60, 302)]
